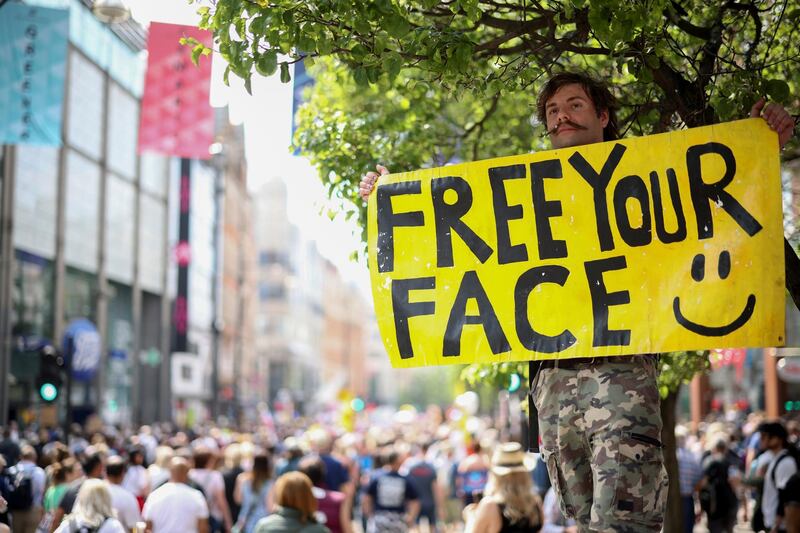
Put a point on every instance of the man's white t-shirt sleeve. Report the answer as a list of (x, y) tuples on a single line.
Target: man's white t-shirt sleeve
[(785, 470)]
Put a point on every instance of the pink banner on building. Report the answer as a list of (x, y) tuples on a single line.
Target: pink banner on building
[(176, 117)]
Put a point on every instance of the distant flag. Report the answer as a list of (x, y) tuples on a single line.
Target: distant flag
[(33, 53), (177, 118)]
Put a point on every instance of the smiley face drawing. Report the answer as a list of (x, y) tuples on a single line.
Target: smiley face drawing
[(698, 273)]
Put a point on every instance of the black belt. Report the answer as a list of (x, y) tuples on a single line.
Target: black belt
[(582, 362)]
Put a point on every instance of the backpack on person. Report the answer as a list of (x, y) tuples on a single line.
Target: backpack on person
[(75, 527), (20, 489), (757, 521), (717, 497)]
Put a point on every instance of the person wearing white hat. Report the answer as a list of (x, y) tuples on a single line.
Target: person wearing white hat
[(510, 504)]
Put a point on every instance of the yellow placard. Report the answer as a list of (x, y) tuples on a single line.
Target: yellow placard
[(653, 244)]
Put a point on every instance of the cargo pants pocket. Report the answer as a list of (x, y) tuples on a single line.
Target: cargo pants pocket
[(640, 484)]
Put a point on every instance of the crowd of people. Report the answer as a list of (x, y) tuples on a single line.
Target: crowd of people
[(741, 472), (429, 475)]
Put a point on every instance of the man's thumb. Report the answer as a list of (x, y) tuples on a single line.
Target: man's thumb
[(755, 111)]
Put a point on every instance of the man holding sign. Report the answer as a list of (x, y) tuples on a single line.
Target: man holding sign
[(599, 416)]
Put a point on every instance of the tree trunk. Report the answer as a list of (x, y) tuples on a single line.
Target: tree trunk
[(673, 521)]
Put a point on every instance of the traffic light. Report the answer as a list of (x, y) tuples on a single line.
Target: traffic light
[(357, 404), (792, 405), (514, 382), (51, 365)]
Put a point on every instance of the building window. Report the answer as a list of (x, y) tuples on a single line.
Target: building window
[(271, 291), (272, 257)]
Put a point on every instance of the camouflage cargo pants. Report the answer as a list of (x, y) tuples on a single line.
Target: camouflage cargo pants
[(600, 426)]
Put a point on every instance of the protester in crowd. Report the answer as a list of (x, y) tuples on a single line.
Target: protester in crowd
[(292, 453), (782, 467), (336, 474), (136, 480), (94, 467), (231, 471), (175, 507), (158, 472), (717, 492), (473, 474), (295, 507), (62, 474), (509, 503), (9, 447), (423, 475), (690, 473), (253, 492), (26, 508), (333, 505), (213, 487), (390, 502), (92, 512), (123, 500)]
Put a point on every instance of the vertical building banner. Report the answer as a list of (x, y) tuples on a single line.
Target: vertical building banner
[(33, 52), (176, 117), (183, 257)]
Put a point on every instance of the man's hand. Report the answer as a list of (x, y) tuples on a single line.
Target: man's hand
[(369, 180), (777, 117)]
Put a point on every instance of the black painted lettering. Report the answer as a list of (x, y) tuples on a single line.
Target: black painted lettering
[(633, 187), (403, 309), (704, 193), (506, 252), (388, 220), (602, 300), (470, 289), (658, 208), (545, 209), (599, 183), (448, 217), (529, 337)]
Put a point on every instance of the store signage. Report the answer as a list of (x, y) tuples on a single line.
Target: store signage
[(33, 53), (82, 349), (176, 116)]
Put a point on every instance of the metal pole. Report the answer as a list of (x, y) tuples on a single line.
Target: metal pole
[(102, 279), (6, 268), (215, 290), (136, 305)]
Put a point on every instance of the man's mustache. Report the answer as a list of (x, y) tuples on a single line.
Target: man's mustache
[(567, 123)]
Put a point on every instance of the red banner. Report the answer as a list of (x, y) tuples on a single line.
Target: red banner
[(176, 117)]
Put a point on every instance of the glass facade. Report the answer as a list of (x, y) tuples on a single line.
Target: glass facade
[(36, 171), (86, 101), (123, 129), (82, 218), (31, 304), (152, 217), (119, 236)]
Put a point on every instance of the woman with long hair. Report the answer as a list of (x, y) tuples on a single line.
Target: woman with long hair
[(60, 474), (92, 511), (509, 504), (253, 493), (295, 507)]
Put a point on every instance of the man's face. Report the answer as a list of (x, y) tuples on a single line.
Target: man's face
[(572, 119)]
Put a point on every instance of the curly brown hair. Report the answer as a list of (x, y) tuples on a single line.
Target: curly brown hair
[(596, 90)]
